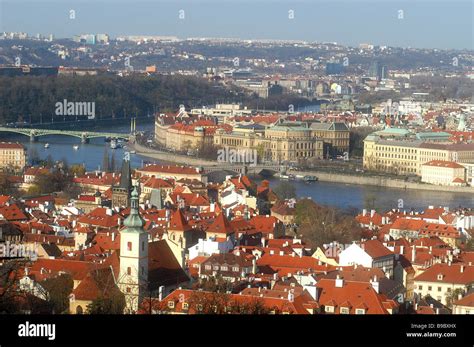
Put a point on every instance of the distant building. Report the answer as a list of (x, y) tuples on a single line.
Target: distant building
[(399, 153), (282, 142), (378, 71), (12, 156), (444, 173), (334, 135)]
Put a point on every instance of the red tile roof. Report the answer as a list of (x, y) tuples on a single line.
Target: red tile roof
[(445, 273), (352, 295), (178, 222)]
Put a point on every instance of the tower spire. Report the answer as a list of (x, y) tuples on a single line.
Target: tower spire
[(134, 222)]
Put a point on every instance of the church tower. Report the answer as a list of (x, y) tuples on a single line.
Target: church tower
[(133, 278), (121, 193)]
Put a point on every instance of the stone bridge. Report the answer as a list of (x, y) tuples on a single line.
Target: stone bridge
[(244, 169)]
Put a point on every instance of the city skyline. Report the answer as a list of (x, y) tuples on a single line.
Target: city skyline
[(390, 23)]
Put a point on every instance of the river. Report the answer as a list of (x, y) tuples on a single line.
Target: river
[(333, 194)]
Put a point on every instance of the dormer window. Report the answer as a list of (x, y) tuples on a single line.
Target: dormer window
[(185, 306), (440, 277), (344, 310), (235, 269), (360, 311), (329, 309), (171, 304)]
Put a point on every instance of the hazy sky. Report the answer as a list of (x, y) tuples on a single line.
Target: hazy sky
[(424, 23)]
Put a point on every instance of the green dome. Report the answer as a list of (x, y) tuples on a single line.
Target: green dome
[(134, 222)]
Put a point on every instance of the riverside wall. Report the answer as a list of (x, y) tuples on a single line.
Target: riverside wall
[(382, 182), (323, 176)]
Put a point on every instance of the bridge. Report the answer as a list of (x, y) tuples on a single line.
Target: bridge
[(83, 135), (244, 169)]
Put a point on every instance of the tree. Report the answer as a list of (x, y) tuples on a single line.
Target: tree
[(11, 296), (110, 299), (112, 165), (452, 296), (207, 150), (285, 190), (356, 140), (49, 161), (57, 291), (107, 305), (213, 284), (320, 224), (77, 170), (34, 155), (105, 160)]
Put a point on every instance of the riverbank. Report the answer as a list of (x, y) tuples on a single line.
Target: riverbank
[(381, 181), (169, 157)]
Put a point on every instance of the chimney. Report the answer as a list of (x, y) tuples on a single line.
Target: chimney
[(402, 249), (339, 282), (108, 212), (263, 241), (462, 268), (364, 212), (413, 253), (375, 284), (254, 265), (161, 289), (113, 236), (372, 213), (431, 249)]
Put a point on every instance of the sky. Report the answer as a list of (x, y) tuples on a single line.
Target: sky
[(444, 24)]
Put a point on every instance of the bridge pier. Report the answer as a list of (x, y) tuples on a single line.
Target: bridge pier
[(33, 137), (84, 138)]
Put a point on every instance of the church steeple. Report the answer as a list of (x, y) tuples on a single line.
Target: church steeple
[(134, 222)]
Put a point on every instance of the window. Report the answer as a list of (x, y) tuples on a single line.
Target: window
[(224, 268), (344, 310), (128, 290), (208, 267), (129, 246), (129, 270), (360, 311), (430, 288), (216, 267), (420, 287), (439, 289), (329, 309), (185, 306), (143, 245), (235, 269), (143, 270), (171, 304), (199, 307)]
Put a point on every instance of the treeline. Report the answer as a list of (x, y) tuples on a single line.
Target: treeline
[(34, 98)]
